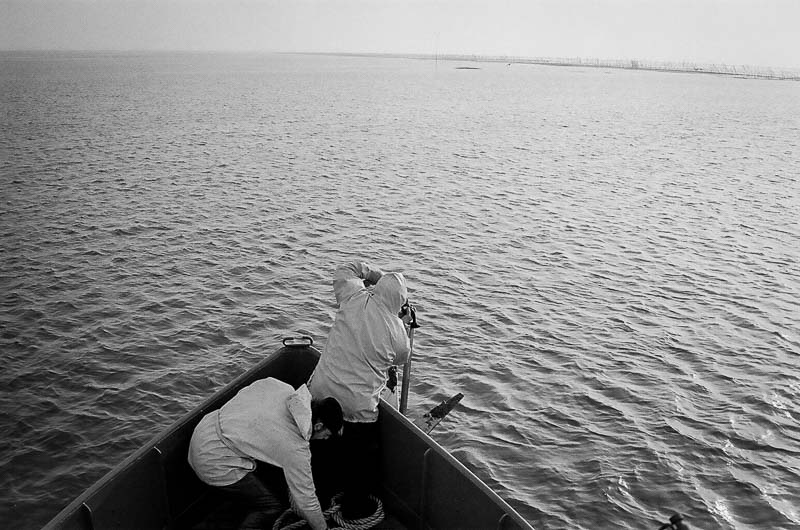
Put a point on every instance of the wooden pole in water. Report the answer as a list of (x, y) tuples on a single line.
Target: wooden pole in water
[(407, 373)]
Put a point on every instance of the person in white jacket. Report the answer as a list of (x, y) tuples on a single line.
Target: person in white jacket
[(369, 334), (267, 421)]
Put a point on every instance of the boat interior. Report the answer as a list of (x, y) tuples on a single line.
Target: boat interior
[(422, 485)]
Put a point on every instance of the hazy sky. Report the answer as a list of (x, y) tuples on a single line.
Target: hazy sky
[(753, 32)]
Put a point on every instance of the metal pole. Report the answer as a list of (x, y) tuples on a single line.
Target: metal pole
[(407, 373)]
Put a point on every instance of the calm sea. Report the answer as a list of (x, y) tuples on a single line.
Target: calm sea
[(605, 263)]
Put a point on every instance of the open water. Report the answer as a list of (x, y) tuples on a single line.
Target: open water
[(605, 263)]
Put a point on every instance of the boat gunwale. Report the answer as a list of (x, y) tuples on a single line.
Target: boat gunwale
[(440, 451)]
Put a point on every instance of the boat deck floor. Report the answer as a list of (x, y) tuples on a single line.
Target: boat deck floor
[(216, 511), (228, 516)]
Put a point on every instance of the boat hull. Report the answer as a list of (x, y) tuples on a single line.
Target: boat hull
[(423, 486)]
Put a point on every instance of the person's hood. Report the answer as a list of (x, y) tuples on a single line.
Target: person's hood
[(391, 291), (299, 405)]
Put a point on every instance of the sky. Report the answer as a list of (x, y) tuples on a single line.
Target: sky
[(734, 32)]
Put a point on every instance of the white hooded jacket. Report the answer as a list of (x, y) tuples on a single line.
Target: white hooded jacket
[(267, 421), (367, 338)]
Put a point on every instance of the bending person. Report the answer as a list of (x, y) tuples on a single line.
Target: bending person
[(368, 336), (267, 421)]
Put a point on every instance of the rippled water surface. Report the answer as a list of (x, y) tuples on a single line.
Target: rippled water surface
[(605, 263)]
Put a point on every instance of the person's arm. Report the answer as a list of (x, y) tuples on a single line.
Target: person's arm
[(301, 487), (352, 278)]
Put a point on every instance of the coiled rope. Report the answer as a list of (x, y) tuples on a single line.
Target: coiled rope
[(334, 513)]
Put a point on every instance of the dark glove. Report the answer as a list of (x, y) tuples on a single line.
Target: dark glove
[(391, 381)]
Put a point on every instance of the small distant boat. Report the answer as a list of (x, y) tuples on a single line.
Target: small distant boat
[(423, 485)]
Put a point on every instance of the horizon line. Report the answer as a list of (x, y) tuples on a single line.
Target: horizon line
[(687, 66)]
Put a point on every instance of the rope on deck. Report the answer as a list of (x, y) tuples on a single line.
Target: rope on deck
[(335, 513)]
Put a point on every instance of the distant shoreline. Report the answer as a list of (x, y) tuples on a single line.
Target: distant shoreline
[(748, 72), (685, 67)]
